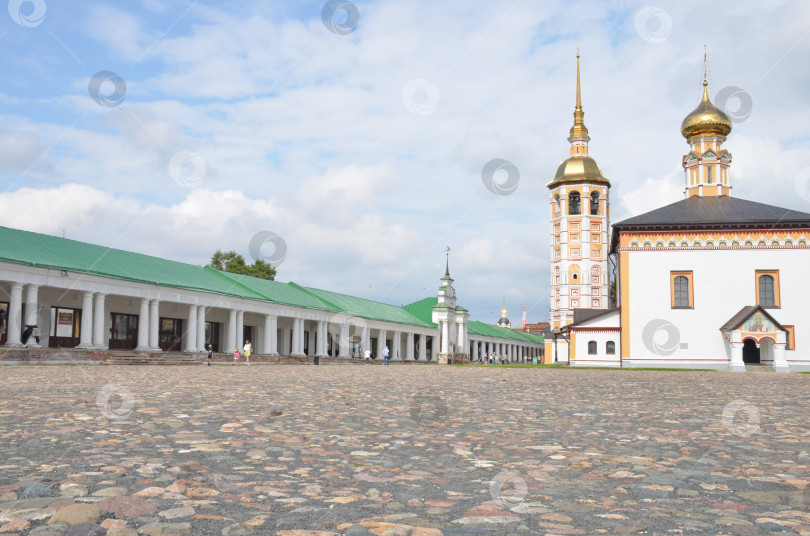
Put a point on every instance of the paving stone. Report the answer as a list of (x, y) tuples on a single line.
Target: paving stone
[(127, 507), (76, 513), (86, 529)]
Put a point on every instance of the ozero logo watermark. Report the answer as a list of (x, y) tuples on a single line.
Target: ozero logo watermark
[(802, 184), (115, 402), (653, 24), (427, 410), (340, 17), (732, 414), (188, 169), (661, 337), (27, 13), (268, 247), (736, 102), (499, 489), (420, 96), (107, 89), (501, 177)]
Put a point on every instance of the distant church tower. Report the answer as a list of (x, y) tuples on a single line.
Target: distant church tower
[(707, 164), (579, 196), (503, 321)]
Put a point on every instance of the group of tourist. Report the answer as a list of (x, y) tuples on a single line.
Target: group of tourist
[(247, 349), (495, 359)]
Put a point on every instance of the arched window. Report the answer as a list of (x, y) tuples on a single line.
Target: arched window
[(681, 291), (595, 204), (556, 205), (574, 203), (767, 296), (610, 348), (591, 347)]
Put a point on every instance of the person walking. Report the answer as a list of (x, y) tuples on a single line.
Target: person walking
[(368, 355), (235, 356), (210, 354), (386, 355), (248, 348)]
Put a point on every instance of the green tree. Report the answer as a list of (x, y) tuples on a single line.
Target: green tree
[(230, 261)]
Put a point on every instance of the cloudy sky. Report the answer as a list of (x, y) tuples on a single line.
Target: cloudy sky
[(346, 141)]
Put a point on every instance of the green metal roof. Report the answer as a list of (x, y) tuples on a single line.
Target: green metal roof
[(488, 330), (34, 249), (278, 292), (366, 308), (45, 251), (423, 309)]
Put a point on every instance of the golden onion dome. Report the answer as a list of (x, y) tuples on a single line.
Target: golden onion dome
[(706, 119), (576, 169)]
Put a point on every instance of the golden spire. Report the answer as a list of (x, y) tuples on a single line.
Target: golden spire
[(579, 130)]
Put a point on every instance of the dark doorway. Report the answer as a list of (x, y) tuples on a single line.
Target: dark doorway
[(3, 322), (750, 352), (124, 331), (171, 334), (65, 327), (212, 335), (247, 335)]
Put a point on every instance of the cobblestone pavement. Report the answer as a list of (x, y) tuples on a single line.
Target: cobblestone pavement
[(402, 451)]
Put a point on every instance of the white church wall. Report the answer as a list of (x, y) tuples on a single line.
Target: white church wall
[(724, 282)]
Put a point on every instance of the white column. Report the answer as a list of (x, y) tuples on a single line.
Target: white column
[(422, 347), (191, 330), (474, 355), (297, 350), (381, 343), (736, 364), (409, 346), (201, 329), (231, 342), (462, 340), (269, 343), (143, 326), (780, 364), (396, 351), (445, 337), (365, 340), (344, 341), (99, 341), (86, 335), (14, 312), (154, 325), (31, 313), (240, 329), (321, 342)]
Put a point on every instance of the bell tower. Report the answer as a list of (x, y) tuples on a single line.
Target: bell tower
[(579, 197)]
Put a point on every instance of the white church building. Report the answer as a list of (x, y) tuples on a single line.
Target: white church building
[(710, 281)]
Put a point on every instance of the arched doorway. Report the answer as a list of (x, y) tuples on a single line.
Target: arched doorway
[(750, 352)]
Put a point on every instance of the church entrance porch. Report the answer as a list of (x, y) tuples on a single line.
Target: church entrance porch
[(755, 337)]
